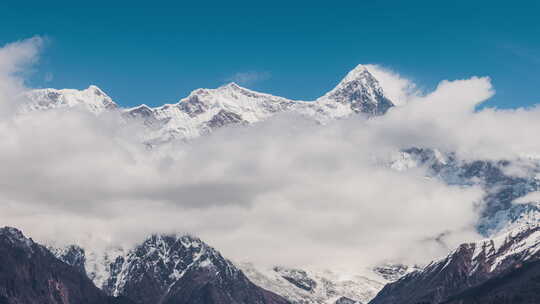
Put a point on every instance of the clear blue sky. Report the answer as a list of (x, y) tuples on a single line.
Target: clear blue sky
[(155, 51)]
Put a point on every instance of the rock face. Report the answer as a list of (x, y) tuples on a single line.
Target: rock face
[(518, 285), (205, 110), (297, 277), (72, 255), (29, 273), (484, 269), (361, 92)]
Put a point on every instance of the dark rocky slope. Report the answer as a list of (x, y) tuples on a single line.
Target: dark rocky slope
[(30, 274), (519, 285), (163, 269), (475, 270)]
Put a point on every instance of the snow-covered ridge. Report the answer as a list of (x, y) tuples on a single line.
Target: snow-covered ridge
[(164, 260), (521, 243), (167, 258), (310, 286), (493, 255), (204, 110), (92, 99), (470, 265)]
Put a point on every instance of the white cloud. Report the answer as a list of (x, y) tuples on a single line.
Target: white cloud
[(447, 119), (310, 189), (529, 198), (14, 58), (397, 88), (248, 78), (48, 77)]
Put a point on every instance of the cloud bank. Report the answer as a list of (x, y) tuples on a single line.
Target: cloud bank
[(285, 191)]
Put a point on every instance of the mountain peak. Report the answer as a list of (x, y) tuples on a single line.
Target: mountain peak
[(12, 232), (234, 88), (179, 268), (184, 240), (14, 237), (360, 71), (361, 90), (96, 90), (232, 85), (91, 98)]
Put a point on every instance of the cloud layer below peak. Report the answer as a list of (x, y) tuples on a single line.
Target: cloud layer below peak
[(325, 193)]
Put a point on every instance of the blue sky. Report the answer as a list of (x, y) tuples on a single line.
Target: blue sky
[(158, 51)]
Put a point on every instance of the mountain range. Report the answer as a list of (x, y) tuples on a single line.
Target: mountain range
[(503, 268), (205, 110), (184, 269), (163, 269)]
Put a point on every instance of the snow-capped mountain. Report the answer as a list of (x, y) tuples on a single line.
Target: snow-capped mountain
[(358, 92), (92, 99), (164, 265), (169, 269), (205, 110), (301, 286), (162, 261), (469, 267)]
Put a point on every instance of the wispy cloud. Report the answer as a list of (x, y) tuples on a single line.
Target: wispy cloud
[(524, 52), (48, 77), (249, 77)]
